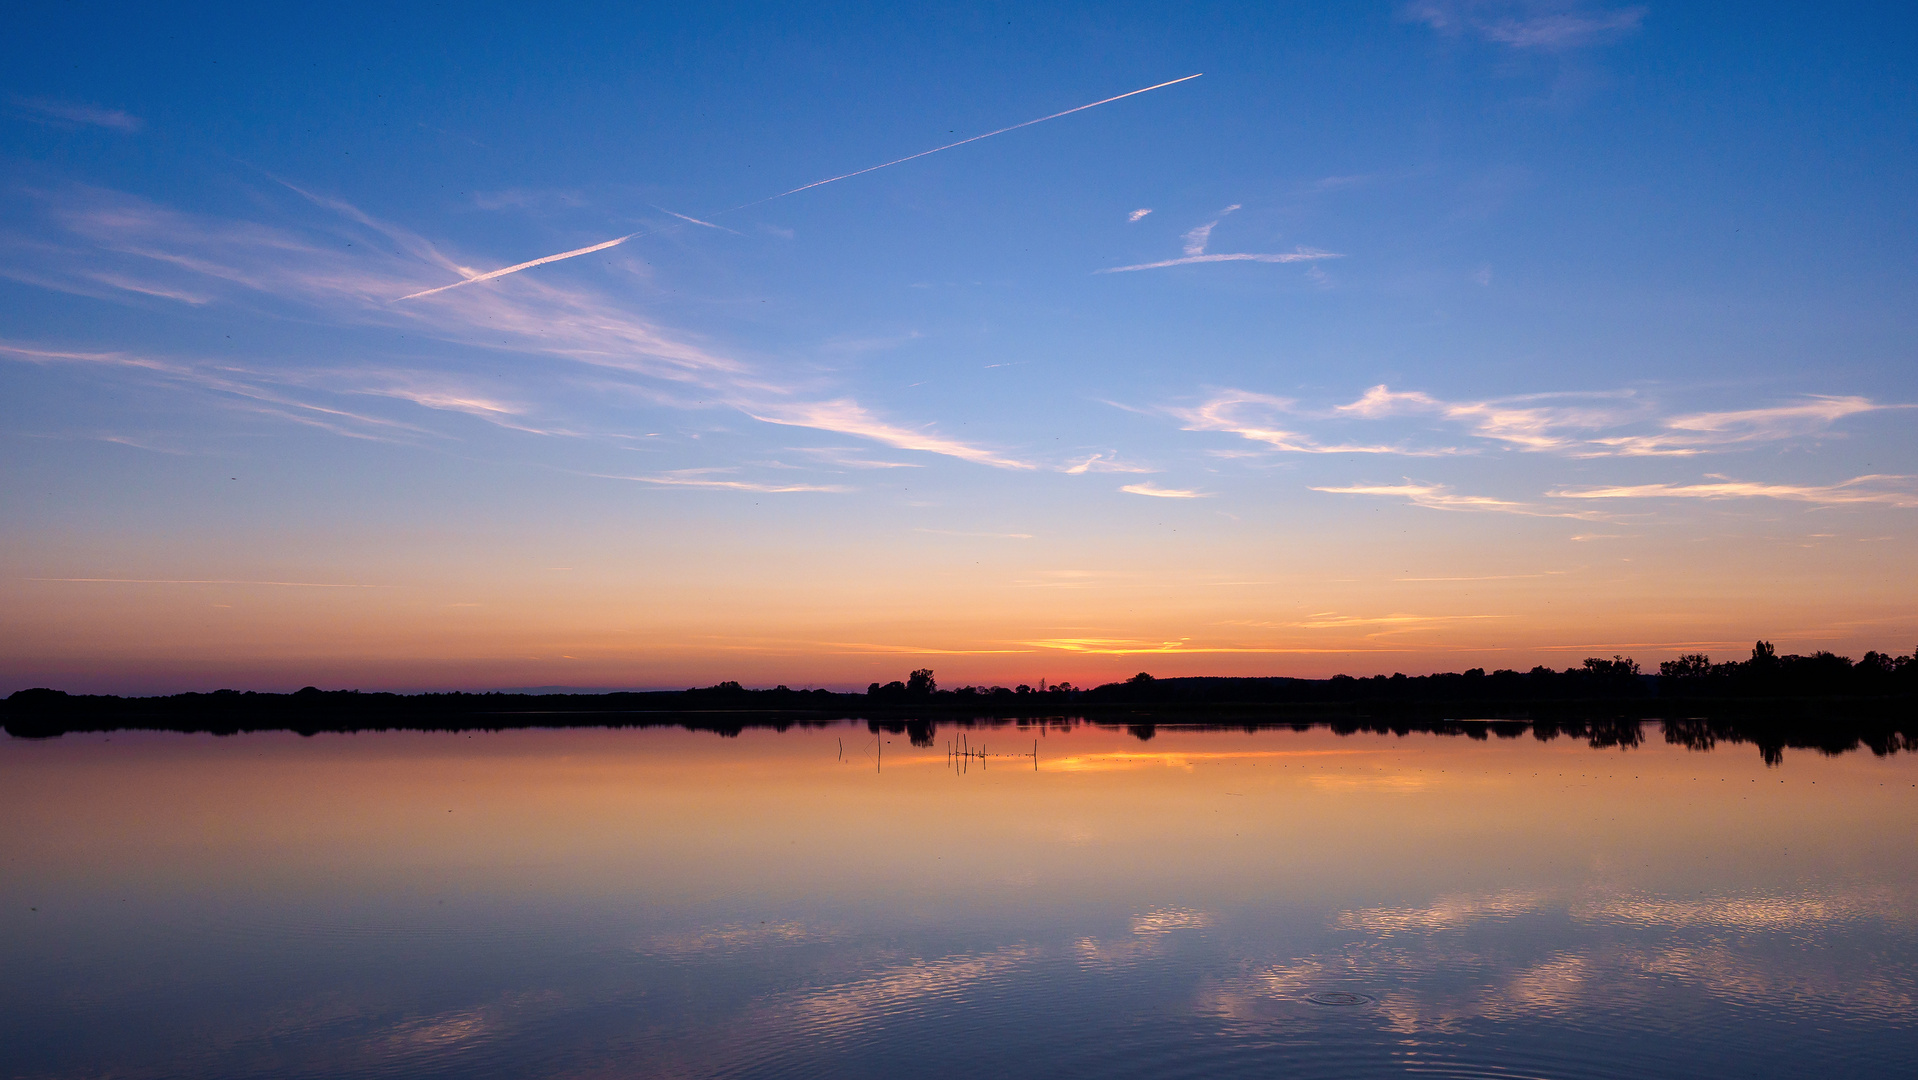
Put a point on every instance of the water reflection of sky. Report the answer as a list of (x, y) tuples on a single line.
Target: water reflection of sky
[(1223, 903)]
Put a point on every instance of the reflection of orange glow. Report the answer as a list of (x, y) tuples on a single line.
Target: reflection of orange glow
[(1172, 759), (1188, 822)]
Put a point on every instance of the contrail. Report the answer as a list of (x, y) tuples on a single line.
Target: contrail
[(961, 142), (503, 271)]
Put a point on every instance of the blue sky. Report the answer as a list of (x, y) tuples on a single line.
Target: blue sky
[(1553, 328)]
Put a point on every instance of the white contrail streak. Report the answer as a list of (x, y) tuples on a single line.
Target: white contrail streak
[(1286, 257), (961, 142), (503, 271)]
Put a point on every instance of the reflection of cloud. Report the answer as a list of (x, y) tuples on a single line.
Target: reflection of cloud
[(1753, 914), (890, 991), (1163, 920), (1387, 782), (1754, 981), (1447, 913), (1430, 978), (433, 1037), (1559, 984), (1123, 760), (735, 936), (1149, 937)]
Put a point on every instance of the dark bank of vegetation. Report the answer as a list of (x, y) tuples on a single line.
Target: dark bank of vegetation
[(1820, 701)]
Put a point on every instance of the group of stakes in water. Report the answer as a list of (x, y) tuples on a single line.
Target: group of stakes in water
[(959, 753)]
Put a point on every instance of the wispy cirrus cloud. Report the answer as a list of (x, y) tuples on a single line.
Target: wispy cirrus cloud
[(1433, 496), (1546, 25), (1695, 432), (1442, 497), (1103, 463), (847, 458), (1621, 423), (1158, 492), (1248, 415), (1385, 624), (1301, 255), (75, 114), (689, 478), (343, 269), (1880, 489), (241, 388), (847, 417), (1196, 240)]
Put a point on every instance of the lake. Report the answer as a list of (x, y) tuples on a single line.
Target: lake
[(829, 901)]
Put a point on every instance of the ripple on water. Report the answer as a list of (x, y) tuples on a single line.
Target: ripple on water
[(1339, 998)]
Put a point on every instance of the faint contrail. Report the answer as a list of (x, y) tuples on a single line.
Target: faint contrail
[(502, 272), (961, 142)]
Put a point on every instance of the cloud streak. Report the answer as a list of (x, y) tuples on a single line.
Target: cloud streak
[(1577, 425), (1527, 24), (1878, 488), (1301, 255), (1158, 492), (1226, 412), (1441, 497), (492, 275), (67, 113), (848, 417), (343, 269), (615, 242), (671, 480), (1196, 239)]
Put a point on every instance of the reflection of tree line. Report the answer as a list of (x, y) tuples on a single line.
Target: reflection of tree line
[(1820, 701), (1772, 737)]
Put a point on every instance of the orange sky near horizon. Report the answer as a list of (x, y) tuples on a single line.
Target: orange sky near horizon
[(846, 605)]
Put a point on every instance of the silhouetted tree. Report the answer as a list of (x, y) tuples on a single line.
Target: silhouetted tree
[(1688, 666), (920, 683)]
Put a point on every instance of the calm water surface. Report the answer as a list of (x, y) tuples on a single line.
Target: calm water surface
[(822, 903)]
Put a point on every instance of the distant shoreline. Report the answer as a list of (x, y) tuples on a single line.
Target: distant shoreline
[(1822, 701), (1605, 711)]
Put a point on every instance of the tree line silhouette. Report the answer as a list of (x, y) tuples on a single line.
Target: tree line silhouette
[(1822, 691)]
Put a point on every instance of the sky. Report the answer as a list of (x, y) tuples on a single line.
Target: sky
[(1403, 337)]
